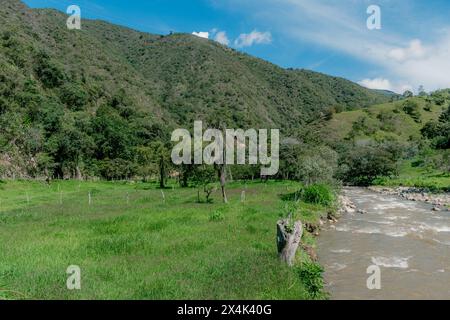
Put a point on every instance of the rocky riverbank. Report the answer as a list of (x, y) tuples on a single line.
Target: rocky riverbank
[(345, 205), (440, 201)]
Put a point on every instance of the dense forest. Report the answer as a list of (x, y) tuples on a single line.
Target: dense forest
[(102, 101)]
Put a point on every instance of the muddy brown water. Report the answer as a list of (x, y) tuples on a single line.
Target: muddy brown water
[(408, 241)]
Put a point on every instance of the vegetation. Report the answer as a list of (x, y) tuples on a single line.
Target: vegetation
[(311, 276), (318, 194), (68, 113), (132, 244), (398, 143)]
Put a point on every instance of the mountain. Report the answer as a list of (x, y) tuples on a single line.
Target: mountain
[(108, 89)]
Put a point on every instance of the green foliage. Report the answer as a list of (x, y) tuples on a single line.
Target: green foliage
[(116, 169), (408, 94), (74, 96), (203, 177), (318, 194), (310, 274), (411, 108), (308, 164), (48, 72), (439, 131), (121, 97), (216, 216), (118, 235), (361, 165)]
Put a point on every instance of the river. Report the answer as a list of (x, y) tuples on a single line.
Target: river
[(408, 241)]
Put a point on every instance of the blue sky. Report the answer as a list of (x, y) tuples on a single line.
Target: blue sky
[(412, 47)]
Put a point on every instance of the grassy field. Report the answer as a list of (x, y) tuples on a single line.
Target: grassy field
[(132, 244), (420, 177), (403, 126)]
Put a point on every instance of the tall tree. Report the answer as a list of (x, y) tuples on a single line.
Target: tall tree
[(161, 157)]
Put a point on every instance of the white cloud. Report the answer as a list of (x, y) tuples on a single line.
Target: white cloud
[(201, 34), (415, 50), (385, 84), (222, 38), (255, 37), (377, 83), (407, 61)]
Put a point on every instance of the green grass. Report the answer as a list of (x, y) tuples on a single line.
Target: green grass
[(420, 177), (402, 125), (144, 248)]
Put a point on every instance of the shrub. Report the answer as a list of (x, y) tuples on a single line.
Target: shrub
[(74, 96), (318, 194), (411, 108), (311, 276), (362, 165), (48, 72), (216, 216)]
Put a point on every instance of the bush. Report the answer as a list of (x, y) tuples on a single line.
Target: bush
[(318, 194), (311, 276), (216, 216), (74, 96), (411, 108), (48, 72), (361, 165)]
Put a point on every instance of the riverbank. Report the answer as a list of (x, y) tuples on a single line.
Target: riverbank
[(440, 201)]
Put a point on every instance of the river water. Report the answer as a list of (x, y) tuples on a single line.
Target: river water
[(408, 241)]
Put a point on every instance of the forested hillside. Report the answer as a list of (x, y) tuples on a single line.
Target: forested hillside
[(408, 140), (102, 101)]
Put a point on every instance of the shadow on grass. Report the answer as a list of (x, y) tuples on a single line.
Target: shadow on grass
[(294, 196)]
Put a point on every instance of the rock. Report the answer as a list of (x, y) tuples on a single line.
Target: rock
[(345, 205), (416, 194), (311, 227), (436, 209), (362, 211)]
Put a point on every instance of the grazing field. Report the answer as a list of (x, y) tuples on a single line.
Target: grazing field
[(420, 177), (131, 243)]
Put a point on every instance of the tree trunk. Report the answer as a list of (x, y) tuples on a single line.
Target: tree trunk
[(288, 239), (78, 173), (161, 175), (223, 180)]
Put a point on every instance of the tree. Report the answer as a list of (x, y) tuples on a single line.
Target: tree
[(218, 121), (112, 134), (408, 94), (363, 164), (203, 178), (445, 116), (69, 147), (74, 96), (161, 157), (48, 72), (308, 164), (144, 158), (421, 91), (411, 108), (439, 131)]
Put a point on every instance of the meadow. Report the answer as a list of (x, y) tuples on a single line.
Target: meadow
[(135, 241), (418, 177)]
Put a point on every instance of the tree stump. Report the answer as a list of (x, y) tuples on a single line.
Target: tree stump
[(288, 239)]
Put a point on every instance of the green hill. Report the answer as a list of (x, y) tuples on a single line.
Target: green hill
[(380, 122), (72, 99), (392, 132)]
